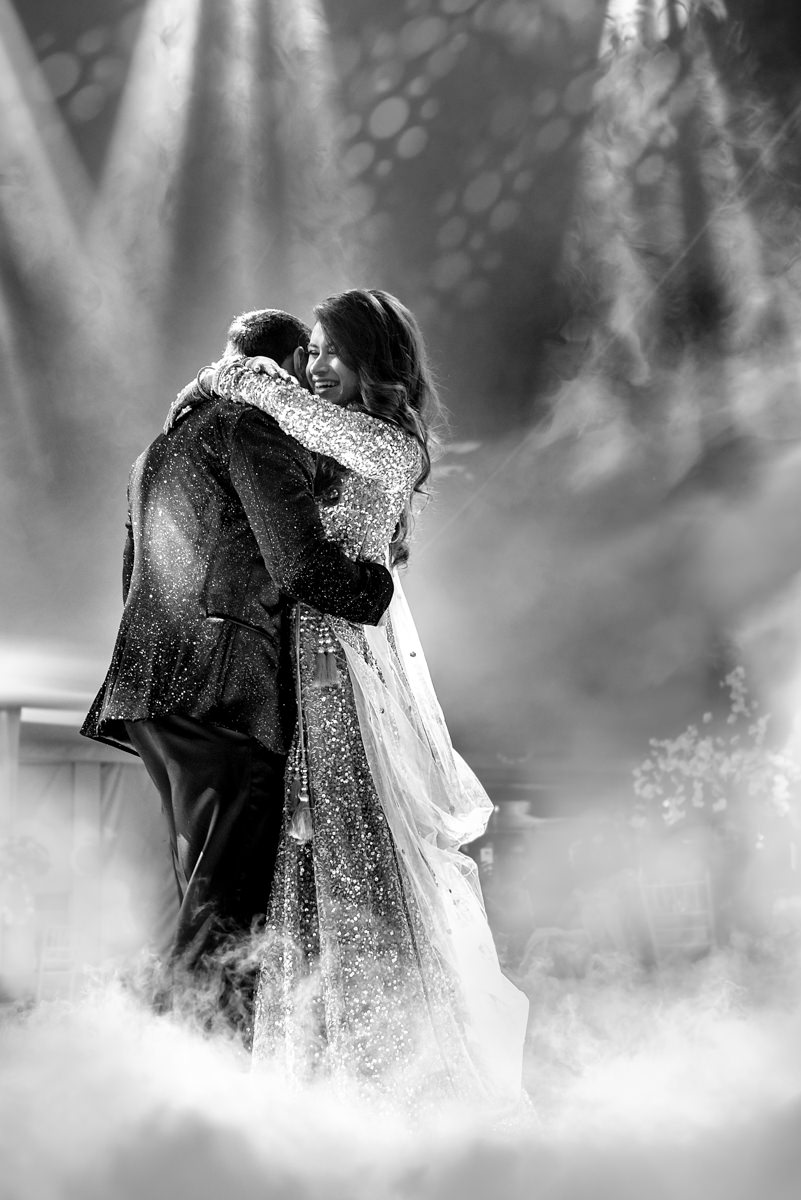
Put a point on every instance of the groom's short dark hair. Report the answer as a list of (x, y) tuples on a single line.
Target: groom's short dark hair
[(268, 331)]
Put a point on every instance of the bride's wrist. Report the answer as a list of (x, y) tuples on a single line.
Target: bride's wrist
[(205, 381), (225, 376)]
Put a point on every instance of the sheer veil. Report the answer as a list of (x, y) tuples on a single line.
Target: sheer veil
[(433, 804)]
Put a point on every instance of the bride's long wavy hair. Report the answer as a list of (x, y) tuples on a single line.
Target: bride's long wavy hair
[(379, 339)]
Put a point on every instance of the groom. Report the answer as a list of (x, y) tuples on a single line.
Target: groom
[(223, 538)]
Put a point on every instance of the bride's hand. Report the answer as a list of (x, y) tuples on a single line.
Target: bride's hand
[(261, 365), (233, 367)]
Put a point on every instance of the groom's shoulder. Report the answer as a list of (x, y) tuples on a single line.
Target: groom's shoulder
[(252, 426), (216, 419), (227, 416), (217, 425)]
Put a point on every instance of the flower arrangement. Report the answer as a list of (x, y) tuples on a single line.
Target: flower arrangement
[(716, 777)]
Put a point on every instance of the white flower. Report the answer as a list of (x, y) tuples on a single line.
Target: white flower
[(691, 770)]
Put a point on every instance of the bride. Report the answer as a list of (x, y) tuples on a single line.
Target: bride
[(378, 965)]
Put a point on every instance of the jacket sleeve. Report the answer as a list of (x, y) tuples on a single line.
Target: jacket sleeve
[(273, 477)]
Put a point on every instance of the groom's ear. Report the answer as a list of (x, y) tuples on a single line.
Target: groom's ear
[(299, 360)]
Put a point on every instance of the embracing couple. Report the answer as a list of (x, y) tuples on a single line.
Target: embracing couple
[(268, 673)]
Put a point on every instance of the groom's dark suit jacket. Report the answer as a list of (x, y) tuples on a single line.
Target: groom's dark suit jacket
[(223, 536)]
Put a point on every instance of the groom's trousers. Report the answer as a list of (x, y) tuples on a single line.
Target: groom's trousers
[(222, 796)]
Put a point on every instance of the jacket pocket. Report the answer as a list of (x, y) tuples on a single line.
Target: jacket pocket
[(220, 618)]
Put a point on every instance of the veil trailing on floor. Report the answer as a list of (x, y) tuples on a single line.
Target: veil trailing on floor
[(433, 804)]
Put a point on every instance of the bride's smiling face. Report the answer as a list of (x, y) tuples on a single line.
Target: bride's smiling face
[(329, 376)]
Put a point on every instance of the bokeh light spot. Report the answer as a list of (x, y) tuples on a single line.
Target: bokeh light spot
[(577, 11), (454, 7), (523, 182), (474, 293), (430, 109), (109, 70), (422, 35), (450, 270), (62, 71), (544, 103), (445, 204), (553, 135), (418, 86), (384, 46), (443, 60), (578, 95), (387, 77), (518, 23), (504, 215), (127, 31), (88, 103), (452, 233), (384, 168), (358, 158), (389, 117), (92, 41), (412, 142), (481, 194)]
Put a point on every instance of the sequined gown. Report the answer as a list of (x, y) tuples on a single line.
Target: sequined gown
[(358, 977)]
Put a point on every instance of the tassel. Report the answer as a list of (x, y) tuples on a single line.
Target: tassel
[(300, 824), (300, 827), (326, 671)]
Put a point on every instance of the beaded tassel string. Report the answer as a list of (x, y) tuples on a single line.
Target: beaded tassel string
[(326, 672), (300, 824)]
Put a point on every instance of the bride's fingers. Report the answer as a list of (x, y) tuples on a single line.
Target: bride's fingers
[(272, 372), (266, 366)]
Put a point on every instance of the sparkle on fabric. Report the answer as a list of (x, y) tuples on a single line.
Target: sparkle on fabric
[(350, 983)]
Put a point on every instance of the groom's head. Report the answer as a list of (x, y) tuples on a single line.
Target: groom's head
[(271, 332)]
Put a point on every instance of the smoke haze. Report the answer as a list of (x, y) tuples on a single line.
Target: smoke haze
[(684, 1086)]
